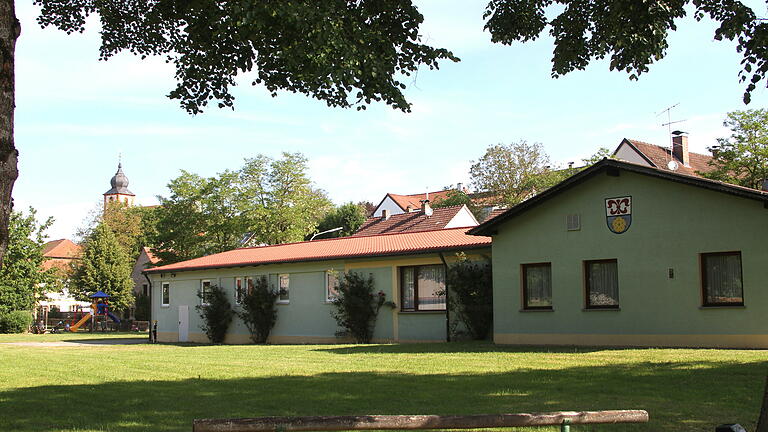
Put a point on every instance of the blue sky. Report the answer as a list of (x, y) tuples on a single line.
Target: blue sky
[(75, 114)]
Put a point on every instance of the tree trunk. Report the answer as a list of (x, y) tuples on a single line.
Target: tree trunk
[(10, 29), (762, 421)]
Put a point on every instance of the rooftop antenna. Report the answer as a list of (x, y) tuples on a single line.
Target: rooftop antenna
[(671, 164)]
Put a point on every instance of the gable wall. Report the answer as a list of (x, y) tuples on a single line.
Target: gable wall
[(389, 204), (627, 153), (671, 225)]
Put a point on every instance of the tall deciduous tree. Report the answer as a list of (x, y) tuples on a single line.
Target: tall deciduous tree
[(742, 158), (512, 172), (106, 267), (267, 201), (22, 275)]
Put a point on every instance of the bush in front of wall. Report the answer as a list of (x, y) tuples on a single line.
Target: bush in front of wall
[(471, 295), (216, 312), (15, 321), (258, 310), (356, 306)]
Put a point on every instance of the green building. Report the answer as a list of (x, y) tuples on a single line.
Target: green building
[(409, 268), (627, 255)]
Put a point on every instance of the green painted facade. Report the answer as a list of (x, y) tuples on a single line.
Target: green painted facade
[(306, 318), (672, 224)]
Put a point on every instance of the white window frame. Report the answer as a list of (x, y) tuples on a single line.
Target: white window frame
[(163, 286), (328, 297), (202, 291), (287, 289)]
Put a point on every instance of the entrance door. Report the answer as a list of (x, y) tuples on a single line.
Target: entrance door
[(183, 323)]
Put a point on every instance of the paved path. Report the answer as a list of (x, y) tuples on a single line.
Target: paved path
[(80, 342)]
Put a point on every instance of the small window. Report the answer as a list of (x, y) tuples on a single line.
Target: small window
[(239, 290), (602, 284), (205, 291), (422, 288), (331, 286), (537, 286), (284, 287), (721, 279), (573, 222), (165, 296)]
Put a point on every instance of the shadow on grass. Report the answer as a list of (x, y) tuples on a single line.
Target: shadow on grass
[(475, 347), (692, 396)]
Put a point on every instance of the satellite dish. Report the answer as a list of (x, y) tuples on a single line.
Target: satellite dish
[(673, 165)]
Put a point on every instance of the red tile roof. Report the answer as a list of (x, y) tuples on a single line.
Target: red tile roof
[(408, 222), (493, 213), (415, 200), (659, 157), (153, 259), (338, 248), (62, 248)]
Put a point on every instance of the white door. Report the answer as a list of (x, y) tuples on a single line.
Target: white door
[(183, 323)]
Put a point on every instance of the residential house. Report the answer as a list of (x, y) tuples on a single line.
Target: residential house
[(145, 260), (409, 268), (424, 219), (398, 204), (679, 157), (60, 255), (627, 254)]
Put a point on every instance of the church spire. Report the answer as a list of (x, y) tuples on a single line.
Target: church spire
[(119, 191)]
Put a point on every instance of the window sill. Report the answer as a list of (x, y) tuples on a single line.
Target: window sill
[(282, 303), (723, 307), (165, 306), (421, 312), (537, 310), (611, 309)]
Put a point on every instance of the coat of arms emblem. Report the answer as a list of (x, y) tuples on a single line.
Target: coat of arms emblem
[(618, 214)]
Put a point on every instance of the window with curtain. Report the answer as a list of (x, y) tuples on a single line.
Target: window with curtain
[(239, 290), (721, 279), (422, 288), (205, 290), (602, 284), (165, 294), (537, 286)]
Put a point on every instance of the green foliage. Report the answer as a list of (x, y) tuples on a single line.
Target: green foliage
[(340, 52), (106, 267), (471, 295), (632, 34), (349, 216), (142, 307), (356, 306), (17, 321), (511, 173), (267, 201), (602, 153), (21, 276), (259, 313), (216, 312), (742, 158), (455, 197)]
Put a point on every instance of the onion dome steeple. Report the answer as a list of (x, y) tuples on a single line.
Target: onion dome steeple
[(119, 183)]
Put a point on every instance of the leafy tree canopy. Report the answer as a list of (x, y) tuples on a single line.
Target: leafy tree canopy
[(22, 274), (106, 267), (133, 226), (633, 34), (267, 201), (742, 158), (456, 197), (342, 52), (349, 216)]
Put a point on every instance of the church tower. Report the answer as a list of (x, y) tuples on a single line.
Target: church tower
[(119, 191)]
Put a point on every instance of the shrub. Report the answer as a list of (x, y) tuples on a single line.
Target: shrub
[(258, 310), (216, 313), (142, 307), (471, 295), (356, 306), (15, 321)]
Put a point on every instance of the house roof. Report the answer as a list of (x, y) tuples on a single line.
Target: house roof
[(337, 248), (415, 200), (659, 156), (62, 248), (613, 167), (153, 259), (409, 222)]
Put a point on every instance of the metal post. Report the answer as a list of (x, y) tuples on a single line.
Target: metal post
[(565, 426)]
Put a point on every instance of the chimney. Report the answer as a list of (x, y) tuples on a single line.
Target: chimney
[(385, 214), (409, 209), (426, 208), (460, 187), (680, 148), (570, 165)]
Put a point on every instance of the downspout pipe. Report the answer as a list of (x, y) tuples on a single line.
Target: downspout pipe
[(149, 281), (447, 303)]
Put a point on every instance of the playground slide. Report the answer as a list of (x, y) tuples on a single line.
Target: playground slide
[(114, 318), (79, 323)]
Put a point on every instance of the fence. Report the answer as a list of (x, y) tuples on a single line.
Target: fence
[(418, 422)]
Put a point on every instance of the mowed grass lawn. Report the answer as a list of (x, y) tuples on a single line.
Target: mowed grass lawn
[(141, 387)]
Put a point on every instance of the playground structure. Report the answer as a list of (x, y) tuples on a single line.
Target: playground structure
[(99, 308)]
